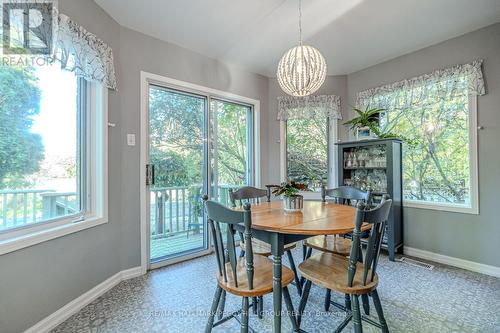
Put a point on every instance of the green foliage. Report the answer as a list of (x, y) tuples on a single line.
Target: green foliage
[(436, 162), (231, 142), (289, 189), (307, 148), (170, 168), (365, 118), (436, 166), (20, 150), (370, 118), (176, 139)]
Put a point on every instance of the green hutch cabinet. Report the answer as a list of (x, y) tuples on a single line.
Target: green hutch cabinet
[(376, 165)]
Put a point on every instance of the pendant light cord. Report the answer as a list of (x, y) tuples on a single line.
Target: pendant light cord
[(300, 22)]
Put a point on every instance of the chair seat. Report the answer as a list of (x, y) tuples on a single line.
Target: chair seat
[(262, 248), (262, 281), (330, 244), (330, 271)]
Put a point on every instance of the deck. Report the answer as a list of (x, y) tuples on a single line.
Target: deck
[(171, 246)]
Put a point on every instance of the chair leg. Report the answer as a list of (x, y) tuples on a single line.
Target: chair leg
[(356, 314), (244, 315), (328, 297), (366, 304), (347, 301), (260, 313), (304, 251), (254, 305), (291, 311), (364, 298), (360, 253), (380, 312), (308, 255), (294, 269), (213, 309), (222, 305), (303, 301)]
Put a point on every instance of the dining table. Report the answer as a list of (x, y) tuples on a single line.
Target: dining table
[(277, 227)]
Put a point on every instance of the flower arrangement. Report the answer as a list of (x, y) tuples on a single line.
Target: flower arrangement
[(289, 189)]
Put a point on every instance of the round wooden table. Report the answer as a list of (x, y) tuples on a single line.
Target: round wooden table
[(271, 224)]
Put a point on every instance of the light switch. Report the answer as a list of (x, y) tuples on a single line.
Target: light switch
[(131, 139)]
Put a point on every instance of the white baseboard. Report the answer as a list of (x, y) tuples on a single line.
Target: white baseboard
[(452, 261), (56, 318)]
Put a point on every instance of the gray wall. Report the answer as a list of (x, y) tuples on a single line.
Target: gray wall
[(37, 281), (334, 85), (470, 237)]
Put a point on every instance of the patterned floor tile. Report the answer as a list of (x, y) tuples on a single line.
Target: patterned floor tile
[(177, 298)]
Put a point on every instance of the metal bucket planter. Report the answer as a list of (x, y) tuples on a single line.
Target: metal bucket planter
[(294, 203)]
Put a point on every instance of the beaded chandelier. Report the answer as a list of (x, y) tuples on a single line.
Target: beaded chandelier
[(302, 69)]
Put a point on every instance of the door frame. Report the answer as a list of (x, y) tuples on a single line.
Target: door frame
[(146, 80)]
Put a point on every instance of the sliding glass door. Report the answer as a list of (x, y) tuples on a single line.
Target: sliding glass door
[(231, 147), (194, 140), (177, 172)]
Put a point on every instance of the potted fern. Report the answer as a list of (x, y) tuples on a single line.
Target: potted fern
[(366, 124)]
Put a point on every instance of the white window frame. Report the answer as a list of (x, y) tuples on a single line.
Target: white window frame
[(473, 173), (332, 157), (95, 182)]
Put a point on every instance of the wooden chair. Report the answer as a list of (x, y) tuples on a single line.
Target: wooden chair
[(248, 194), (342, 195), (336, 244), (249, 276), (348, 275)]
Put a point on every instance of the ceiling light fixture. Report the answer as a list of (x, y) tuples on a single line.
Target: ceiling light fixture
[(302, 69)]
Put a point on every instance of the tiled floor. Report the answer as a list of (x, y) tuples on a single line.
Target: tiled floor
[(176, 299)]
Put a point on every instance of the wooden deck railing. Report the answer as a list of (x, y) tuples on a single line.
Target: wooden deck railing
[(21, 207), (178, 209), (173, 210)]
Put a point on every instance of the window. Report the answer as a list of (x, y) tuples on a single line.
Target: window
[(308, 132), (52, 151), (437, 120), (308, 149)]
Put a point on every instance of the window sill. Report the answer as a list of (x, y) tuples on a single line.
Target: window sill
[(441, 207), (17, 243), (313, 196)]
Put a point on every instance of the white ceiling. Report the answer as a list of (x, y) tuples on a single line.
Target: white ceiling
[(351, 34)]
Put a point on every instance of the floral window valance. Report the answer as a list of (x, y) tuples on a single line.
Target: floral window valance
[(81, 52), (441, 84), (319, 106), (76, 49)]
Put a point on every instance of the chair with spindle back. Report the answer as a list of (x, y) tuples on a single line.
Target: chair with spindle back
[(249, 194), (348, 275), (343, 195), (248, 276), (253, 195)]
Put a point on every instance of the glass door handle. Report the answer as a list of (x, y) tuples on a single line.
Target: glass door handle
[(150, 174)]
